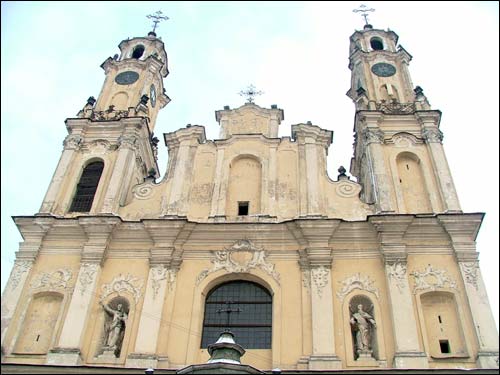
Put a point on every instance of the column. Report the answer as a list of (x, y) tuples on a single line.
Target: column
[(71, 144), (218, 199), (68, 349)]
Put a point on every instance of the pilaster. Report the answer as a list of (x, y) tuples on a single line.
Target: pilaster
[(72, 144), (33, 231), (372, 140), (312, 141), (318, 264), (188, 140), (98, 231), (462, 230), (391, 231), (433, 137)]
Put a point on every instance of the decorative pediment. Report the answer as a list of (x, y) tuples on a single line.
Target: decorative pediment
[(242, 256)]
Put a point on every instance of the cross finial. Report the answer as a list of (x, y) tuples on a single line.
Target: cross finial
[(250, 93), (228, 311), (157, 17), (364, 11)]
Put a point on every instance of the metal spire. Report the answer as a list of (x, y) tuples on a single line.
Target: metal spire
[(364, 12), (157, 17)]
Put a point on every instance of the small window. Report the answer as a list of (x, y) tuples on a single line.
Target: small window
[(138, 51), (445, 346), (376, 44), (242, 208)]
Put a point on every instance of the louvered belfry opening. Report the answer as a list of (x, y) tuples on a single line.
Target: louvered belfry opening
[(86, 188)]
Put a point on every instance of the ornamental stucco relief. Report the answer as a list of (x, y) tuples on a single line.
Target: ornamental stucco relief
[(123, 283), (87, 276), (58, 279), (144, 190), (431, 278), (159, 273), (242, 256), (320, 277), (470, 271), (397, 272), (357, 282), (20, 268)]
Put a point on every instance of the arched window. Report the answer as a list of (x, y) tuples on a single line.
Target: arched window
[(138, 51), (86, 188), (245, 309), (376, 44)]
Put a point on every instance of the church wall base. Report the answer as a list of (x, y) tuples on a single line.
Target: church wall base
[(64, 356), (410, 360), (487, 360), (141, 360), (324, 362)]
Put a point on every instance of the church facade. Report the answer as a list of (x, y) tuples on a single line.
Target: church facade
[(248, 233)]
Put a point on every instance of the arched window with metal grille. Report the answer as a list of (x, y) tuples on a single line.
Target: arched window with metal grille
[(86, 188), (244, 308)]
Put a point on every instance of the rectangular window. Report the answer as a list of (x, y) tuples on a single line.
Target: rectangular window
[(242, 208), (445, 346)]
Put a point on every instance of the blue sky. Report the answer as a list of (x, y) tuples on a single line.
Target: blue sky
[(296, 52)]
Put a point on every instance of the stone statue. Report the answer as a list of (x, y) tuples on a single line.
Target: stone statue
[(363, 325), (117, 326)]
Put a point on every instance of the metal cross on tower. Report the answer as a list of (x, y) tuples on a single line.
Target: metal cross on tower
[(228, 311), (364, 11), (250, 93), (157, 17)]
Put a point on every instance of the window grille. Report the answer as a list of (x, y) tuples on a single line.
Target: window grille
[(86, 188), (251, 326)]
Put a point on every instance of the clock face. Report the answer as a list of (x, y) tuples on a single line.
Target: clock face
[(152, 91), (127, 78), (384, 69)]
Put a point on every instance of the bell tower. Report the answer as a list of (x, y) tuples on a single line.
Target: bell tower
[(110, 146), (398, 152)]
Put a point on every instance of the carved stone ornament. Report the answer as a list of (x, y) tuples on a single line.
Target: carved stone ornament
[(470, 271), (357, 282), (431, 279), (20, 267), (159, 273), (397, 272), (396, 108), (87, 275), (347, 189), (320, 277), (242, 256), (99, 146), (72, 142), (432, 135), (306, 279), (58, 279), (108, 115), (121, 283), (144, 190), (373, 136), (127, 141)]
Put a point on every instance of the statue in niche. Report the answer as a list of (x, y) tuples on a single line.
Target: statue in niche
[(363, 325), (114, 327)]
